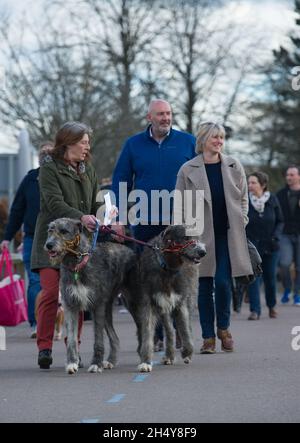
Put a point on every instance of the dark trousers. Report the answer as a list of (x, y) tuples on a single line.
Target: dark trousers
[(289, 253), (34, 286), (269, 263), (147, 232), (214, 296)]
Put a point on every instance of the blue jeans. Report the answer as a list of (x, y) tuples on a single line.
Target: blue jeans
[(34, 286), (269, 264), (289, 253), (214, 294)]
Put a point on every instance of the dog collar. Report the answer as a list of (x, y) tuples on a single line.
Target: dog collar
[(82, 264), (162, 262)]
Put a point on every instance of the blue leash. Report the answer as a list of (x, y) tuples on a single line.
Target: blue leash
[(95, 236)]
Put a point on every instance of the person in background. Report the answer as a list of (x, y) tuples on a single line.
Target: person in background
[(68, 188), (223, 180), (289, 199), (3, 216), (24, 211), (150, 161), (263, 230)]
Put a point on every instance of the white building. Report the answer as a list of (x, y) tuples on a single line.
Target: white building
[(17, 157)]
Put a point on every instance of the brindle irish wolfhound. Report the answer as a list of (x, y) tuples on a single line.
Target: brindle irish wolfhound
[(164, 285), (88, 282)]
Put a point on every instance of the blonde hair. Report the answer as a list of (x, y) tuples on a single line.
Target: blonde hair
[(206, 130)]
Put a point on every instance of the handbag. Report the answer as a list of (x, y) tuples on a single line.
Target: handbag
[(13, 304), (256, 261)]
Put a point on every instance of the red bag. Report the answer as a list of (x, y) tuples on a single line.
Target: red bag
[(13, 304)]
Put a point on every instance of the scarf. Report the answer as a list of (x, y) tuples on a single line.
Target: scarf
[(259, 202)]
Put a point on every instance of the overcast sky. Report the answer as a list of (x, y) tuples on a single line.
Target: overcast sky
[(276, 14), (275, 17)]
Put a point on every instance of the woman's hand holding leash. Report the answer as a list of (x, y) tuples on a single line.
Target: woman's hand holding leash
[(89, 222)]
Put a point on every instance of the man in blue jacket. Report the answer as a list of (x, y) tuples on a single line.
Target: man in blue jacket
[(149, 161), (289, 199), (24, 211)]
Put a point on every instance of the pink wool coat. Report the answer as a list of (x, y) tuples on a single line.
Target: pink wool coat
[(192, 176)]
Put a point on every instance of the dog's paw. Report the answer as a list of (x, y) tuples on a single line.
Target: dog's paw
[(107, 365), (71, 368), (95, 368), (187, 360), (167, 361), (144, 367)]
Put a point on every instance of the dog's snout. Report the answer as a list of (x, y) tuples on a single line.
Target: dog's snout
[(49, 245), (203, 253)]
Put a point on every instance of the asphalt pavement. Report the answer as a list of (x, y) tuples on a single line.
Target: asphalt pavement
[(258, 383)]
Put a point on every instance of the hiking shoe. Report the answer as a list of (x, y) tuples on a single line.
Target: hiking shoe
[(226, 340), (253, 316), (297, 300), (209, 346), (272, 313), (285, 298), (45, 358)]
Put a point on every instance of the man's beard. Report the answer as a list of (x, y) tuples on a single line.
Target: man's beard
[(164, 130)]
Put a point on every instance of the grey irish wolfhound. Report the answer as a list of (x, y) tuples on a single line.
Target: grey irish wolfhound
[(88, 282), (164, 285)]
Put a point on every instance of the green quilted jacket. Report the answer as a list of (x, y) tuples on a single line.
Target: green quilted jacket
[(62, 194)]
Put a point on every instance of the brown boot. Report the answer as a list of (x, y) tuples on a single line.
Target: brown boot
[(226, 340), (272, 313), (209, 346)]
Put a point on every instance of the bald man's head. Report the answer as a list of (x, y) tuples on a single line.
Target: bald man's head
[(160, 117)]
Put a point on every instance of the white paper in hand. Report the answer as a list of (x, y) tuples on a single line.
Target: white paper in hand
[(108, 207)]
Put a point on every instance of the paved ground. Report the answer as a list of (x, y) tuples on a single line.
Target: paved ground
[(257, 383)]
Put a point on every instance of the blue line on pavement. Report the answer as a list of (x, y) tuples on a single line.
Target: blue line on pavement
[(140, 377), (155, 362), (90, 420), (116, 398)]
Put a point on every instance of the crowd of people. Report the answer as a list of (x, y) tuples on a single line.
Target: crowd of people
[(236, 207)]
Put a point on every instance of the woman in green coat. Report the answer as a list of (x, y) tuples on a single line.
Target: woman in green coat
[(68, 188)]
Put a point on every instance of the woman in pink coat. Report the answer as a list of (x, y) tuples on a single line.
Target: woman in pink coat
[(223, 182)]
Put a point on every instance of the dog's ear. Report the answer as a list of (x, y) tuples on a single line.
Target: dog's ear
[(165, 232)]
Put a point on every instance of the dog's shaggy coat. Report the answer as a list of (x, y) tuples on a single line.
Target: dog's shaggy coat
[(93, 288), (156, 284), (164, 285)]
